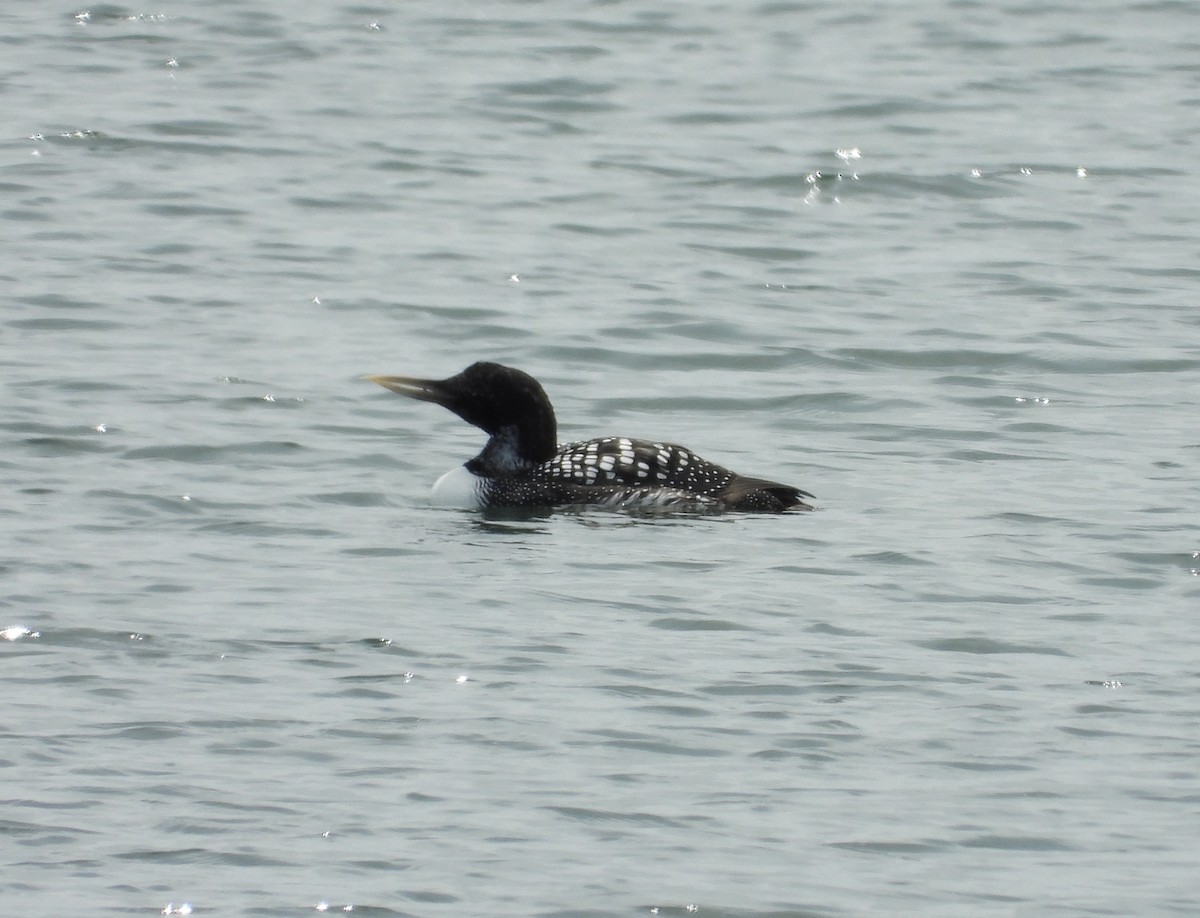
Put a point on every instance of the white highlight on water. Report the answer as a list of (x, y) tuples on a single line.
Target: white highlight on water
[(16, 632)]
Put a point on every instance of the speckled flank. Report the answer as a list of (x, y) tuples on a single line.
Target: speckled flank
[(619, 473), (519, 467)]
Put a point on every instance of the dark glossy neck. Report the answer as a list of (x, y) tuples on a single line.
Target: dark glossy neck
[(513, 450)]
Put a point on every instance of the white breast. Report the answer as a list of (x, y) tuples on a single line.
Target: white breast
[(459, 488)]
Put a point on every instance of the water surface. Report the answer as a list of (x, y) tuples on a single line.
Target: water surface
[(934, 263)]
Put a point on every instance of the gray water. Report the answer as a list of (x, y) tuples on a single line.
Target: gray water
[(934, 262)]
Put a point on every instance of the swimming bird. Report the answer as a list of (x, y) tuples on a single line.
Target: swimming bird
[(522, 465)]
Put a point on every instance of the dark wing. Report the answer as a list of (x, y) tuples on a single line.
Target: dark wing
[(762, 495), (637, 464)]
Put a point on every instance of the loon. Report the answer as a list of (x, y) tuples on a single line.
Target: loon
[(522, 464)]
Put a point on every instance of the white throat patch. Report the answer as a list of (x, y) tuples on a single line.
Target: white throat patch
[(459, 488)]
